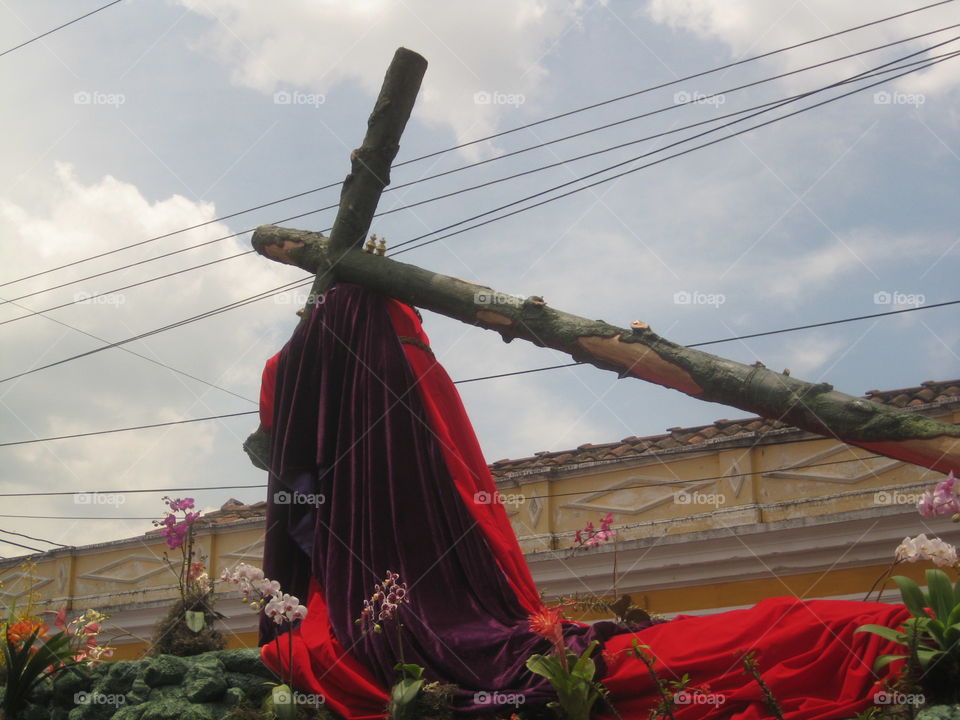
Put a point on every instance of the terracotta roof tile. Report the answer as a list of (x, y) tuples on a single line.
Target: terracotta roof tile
[(927, 393)]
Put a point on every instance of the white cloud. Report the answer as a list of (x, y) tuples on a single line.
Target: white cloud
[(752, 27), (497, 46), (65, 218)]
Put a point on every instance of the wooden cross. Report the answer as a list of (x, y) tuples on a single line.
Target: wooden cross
[(635, 352)]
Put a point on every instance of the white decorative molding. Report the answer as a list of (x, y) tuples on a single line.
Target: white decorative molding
[(129, 561), (535, 507), (587, 503), (33, 583), (251, 551), (858, 473)]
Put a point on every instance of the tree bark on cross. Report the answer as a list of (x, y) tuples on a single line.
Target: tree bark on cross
[(635, 352)]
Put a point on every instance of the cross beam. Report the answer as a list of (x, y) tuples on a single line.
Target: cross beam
[(636, 352)]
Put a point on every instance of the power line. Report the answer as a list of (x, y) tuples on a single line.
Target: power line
[(675, 481), (125, 429), (920, 65), (667, 108), (209, 313), (828, 323), (764, 107), (89, 298), (29, 537), (59, 27), (694, 76), (129, 492), (25, 547), (500, 134), (69, 517), (275, 291), (506, 374), (143, 357)]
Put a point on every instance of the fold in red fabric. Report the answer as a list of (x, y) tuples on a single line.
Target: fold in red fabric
[(461, 451), (807, 651)]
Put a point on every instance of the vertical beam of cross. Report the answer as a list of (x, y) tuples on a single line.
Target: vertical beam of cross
[(370, 163)]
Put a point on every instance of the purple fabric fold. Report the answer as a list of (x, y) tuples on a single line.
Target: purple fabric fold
[(348, 425)]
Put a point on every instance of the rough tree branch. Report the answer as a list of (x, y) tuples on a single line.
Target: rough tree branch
[(637, 352), (370, 163)]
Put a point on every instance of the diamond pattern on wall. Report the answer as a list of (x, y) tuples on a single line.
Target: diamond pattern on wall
[(591, 501), (128, 570), (252, 551), (19, 584), (850, 473)]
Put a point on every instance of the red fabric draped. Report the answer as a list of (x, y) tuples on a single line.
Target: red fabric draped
[(461, 450), (807, 651)]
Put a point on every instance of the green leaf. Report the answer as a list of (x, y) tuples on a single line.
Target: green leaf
[(913, 596), (927, 656), (936, 629), (545, 665), (941, 593), (884, 632), (196, 620), (406, 691), (883, 660), (281, 703), (584, 667), (410, 670)]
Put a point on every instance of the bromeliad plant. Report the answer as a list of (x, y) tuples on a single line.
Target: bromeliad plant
[(931, 637), (264, 595), (571, 675), (31, 653)]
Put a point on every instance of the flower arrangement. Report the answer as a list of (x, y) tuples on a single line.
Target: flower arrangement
[(591, 536), (188, 627), (32, 652), (571, 675), (265, 595), (931, 637), (383, 605)]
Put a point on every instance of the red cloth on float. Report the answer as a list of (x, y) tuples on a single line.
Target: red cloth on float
[(807, 652)]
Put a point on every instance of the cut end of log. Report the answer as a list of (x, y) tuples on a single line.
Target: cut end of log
[(275, 243), (494, 319), (640, 361)]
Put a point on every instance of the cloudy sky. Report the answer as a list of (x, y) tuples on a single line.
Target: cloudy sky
[(151, 117)]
